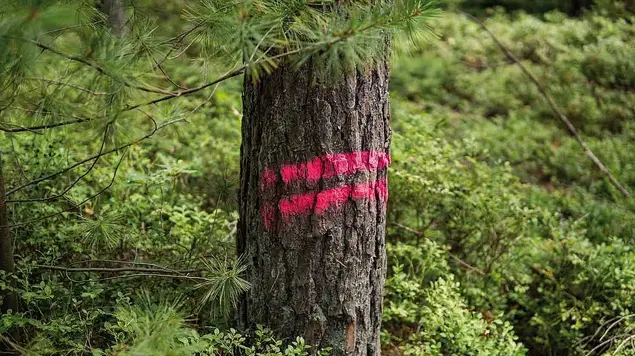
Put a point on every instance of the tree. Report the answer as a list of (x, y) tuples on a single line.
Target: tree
[(312, 202), (116, 15), (315, 136), (312, 205), (9, 301)]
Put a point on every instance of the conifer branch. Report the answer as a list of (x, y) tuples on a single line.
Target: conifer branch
[(70, 85), (43, 127), (74, 205), (89, 159), (18, 128), (227, 76), (160, 67), (77, 180), (556, 109), (138, 272), (95, 66), (241, 70)]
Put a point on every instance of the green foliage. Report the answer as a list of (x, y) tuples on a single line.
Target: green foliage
[(502, 237), (426, 315), (535, 236), (226, 285)]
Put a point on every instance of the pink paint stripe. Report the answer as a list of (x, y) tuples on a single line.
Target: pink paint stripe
[(268, 178), (297, 204), (326, 166), (382, 189), (304, 203), (336, 196)]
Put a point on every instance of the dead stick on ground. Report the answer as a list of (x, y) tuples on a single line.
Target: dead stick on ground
[(116, 270), (572, 130)]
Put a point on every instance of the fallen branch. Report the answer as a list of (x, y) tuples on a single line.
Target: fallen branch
[(569, 125), (138, 272), (116, 269)]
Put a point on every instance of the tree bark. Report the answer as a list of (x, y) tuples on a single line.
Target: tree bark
[(115, 11), (579, 6), (9, 300), (312, 206)]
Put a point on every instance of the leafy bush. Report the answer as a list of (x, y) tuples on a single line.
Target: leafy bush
[(534, 235), (503, 238), (426, 315)]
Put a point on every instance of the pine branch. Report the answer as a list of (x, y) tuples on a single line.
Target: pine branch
[(96, 67), (62, 84), (43, 127), (33, 129), (36, 181), (134, 263), (227, 76), (242, 69), (74, 205), (561, 116), (160, 67), (171, 276), (89, 159), (77, 180), (138, 272)]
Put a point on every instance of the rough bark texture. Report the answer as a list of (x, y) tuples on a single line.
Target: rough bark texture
[(312, 206), (6, 249)]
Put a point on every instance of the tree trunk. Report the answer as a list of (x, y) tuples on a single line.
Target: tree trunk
[(579, 6), (9, 300), (312, 206), (116, 14)]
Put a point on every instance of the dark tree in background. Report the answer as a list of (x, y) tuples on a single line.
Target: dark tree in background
[(115, 11), (312, 204), (572, 7), (9, 301)]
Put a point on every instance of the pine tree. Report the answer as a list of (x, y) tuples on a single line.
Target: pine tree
[(312, 204), (9, 301), (315, 133), (312, 201)]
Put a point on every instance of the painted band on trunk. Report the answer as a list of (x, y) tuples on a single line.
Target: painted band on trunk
[(326, 166), (329, 165)]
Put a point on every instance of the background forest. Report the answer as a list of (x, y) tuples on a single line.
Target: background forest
[(503, 237)]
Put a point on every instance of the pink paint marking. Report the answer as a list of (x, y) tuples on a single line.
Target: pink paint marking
[(297, 204), (330, 165), (336, 196), (365, 190), (268, 179), (382, 189), (300, 204)]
